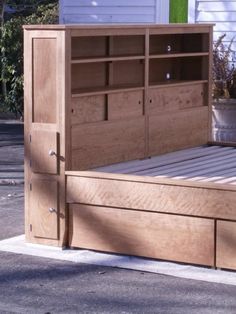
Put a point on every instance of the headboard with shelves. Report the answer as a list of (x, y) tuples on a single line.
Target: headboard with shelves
[(97, 95)]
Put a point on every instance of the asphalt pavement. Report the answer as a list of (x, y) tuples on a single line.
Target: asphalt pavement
[(39, 285)]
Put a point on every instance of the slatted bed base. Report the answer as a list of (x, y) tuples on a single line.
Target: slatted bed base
[(179, 206), (202, 164)]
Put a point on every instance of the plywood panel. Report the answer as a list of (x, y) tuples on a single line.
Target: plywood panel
[(88, 109), (174, 98), (146, 234), (108, 142), (226, 244), (42, 160), (178, 130), (124, 105), (128, 72), (89, 75), (127, 45), (92, 46), (166, 198), (44, 208), (44, 80)]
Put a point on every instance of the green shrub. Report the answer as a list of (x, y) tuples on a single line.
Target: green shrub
[(11, 48)]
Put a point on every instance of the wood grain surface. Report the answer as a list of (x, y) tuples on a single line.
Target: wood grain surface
[(140, 233)]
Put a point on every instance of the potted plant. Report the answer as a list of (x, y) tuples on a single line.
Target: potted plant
[(224, 92)]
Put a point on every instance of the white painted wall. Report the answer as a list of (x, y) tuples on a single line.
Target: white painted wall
[(220, 12), (114, 11)]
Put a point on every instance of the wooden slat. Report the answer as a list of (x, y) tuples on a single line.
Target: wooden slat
[(226, 244), (179, 55), (214, 176), (162, 160), (195, 165), (167, 198), (106, 59), (108, 142), (175, 82), (188, 164), (89, 91), (206, 171), (169, 132), (217, 175), (153, 235)]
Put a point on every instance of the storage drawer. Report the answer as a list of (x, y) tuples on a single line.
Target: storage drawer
[(226, 244), (169, 237)]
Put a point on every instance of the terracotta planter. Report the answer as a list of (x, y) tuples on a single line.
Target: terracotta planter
[(224, 120)]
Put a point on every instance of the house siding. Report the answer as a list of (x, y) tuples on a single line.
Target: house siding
[(222, 13), (114, 11)]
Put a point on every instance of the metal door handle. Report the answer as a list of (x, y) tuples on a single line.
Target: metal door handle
[(52, 210), (51, 153)]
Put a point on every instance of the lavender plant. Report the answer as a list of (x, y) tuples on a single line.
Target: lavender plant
[(223, 67)]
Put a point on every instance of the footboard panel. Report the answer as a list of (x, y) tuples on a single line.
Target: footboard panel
[(164, 219)]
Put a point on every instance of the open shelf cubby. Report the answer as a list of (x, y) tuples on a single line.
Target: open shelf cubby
[(179, 43), (92, 47), (166, 70)]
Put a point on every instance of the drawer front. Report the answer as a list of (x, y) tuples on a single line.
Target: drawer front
[(44, 208), (226, 244), (169, 237)]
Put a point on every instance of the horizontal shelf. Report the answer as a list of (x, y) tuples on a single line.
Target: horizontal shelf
[(137, 57), (179, 55), (122, 88), (104, 90), (106, 59), (176, 83)]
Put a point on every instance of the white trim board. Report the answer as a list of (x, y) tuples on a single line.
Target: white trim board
[(19, 246)]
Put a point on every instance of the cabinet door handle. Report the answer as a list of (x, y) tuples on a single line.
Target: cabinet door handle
[(52, 210), (51, 153)]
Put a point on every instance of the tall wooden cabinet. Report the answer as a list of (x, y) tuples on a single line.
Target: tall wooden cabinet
[(96, 95)]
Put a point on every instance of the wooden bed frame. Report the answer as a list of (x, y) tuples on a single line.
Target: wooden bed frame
[(116, 130)]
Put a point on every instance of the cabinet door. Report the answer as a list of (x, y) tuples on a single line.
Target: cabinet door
[(44, 208), (44, 151), (226, 244)]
